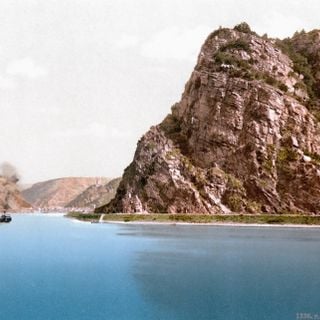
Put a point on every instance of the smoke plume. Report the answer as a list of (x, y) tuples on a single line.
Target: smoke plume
[(9, 171)]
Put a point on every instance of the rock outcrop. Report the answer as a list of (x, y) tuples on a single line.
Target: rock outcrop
[(245, 136), (57, 193), (10, 196), (95, 195)]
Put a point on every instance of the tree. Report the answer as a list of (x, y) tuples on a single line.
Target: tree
[(243, 27)]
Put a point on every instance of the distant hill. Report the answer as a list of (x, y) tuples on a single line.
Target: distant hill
[(10, 196), (95, 195), (59, 192)]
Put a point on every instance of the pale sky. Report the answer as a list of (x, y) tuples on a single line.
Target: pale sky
[(82, 80)]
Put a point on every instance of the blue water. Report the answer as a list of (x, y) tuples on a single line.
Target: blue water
[(55, 268)]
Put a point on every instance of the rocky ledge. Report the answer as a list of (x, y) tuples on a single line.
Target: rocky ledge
[(244, 137)]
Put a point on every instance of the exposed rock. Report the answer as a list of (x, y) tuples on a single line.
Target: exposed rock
[(59, 192), (239, 140), (95, 195), (307, 158)]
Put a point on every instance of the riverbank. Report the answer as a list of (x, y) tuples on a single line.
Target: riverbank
[(229, 220)]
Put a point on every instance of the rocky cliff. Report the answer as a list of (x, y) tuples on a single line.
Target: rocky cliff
[(95, 195), (243, 138), (59, 192), (10, 196)]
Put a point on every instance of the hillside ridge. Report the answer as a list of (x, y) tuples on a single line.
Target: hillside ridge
[(244, 137)]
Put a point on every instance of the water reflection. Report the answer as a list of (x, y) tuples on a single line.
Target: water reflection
[(228, 273)]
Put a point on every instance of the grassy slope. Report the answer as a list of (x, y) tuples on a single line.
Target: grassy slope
[(196, 218)]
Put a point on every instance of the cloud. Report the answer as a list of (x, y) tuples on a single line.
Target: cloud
[(52, 111), (94, 129), (121, 134), (25, 68), (126, 41), (280, 24), (6, 83), (176, 43)]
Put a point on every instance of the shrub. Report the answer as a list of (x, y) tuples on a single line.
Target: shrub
[(270, 80), (227, 58), (235, 203), (316, 114), (268, 165), (238, 44), (282, 87), (217, 32), (300, 85), (287, 154), (234, 183), (243, 27), (253, 207), (274, 82), (301, 65)]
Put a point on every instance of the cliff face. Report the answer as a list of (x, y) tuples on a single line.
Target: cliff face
[(243, 138), (10, 196), (59, 192), (95, 195)]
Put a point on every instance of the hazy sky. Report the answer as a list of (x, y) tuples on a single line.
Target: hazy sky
[(82, 80)]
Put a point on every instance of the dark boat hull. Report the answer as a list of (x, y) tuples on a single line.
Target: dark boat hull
[(5, 218)]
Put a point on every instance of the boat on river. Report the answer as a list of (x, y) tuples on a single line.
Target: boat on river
[(5, 218)]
